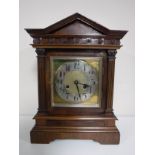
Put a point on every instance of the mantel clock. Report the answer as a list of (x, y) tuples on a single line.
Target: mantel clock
[(76, 60)]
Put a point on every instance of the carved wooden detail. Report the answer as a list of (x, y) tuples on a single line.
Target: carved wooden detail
[(111, 54), (41, 51), (74, 40)]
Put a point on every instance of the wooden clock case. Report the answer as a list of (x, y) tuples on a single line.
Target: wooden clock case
[(78, 36)]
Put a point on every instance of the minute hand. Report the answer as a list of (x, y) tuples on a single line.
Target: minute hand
[(76, 83), (78, 90)]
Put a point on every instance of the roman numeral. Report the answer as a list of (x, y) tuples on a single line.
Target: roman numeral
[(75, 65), (67, 95), (84, 68), (60, 74), (78, 63), (64, 73), (67, 68)]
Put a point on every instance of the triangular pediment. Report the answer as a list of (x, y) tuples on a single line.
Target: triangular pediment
[(76, 24), (77, 28)]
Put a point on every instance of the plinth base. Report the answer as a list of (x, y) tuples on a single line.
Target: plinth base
[(103, 135), (100, 128)]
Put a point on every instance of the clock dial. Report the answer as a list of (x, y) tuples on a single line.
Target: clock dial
[(76, 81)]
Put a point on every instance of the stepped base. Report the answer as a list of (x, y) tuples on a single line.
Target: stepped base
[(103, 135)]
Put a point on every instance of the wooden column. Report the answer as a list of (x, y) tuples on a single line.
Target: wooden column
[(41, 80), (110, 79)]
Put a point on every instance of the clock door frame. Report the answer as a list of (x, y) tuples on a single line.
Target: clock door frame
[(52, 110)]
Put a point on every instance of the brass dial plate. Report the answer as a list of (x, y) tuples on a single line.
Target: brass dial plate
[(76, 82)]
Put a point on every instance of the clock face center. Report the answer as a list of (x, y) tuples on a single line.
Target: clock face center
[(74, 81)]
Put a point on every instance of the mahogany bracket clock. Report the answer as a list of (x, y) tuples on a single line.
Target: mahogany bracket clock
[(76, 61)]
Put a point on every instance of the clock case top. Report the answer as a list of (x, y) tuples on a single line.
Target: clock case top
[(76, 32), (76, 36)]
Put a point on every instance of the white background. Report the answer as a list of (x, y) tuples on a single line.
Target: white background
[(113, 14), (145, 84)]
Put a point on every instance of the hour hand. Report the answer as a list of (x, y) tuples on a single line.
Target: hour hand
[(84, 85)]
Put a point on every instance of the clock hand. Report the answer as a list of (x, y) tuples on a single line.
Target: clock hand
[(76, 83), (85, 85)]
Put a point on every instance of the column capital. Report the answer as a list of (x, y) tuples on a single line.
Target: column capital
[(111, 54), (40, 51)]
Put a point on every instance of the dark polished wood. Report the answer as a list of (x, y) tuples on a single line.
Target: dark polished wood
[(76, 36)]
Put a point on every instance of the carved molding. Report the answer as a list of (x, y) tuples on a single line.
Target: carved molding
[(111, 54), (112, 42), (40, 51), (74, 41)]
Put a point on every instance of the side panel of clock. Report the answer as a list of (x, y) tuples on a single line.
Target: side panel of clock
[(73, 110), (42, 60)]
